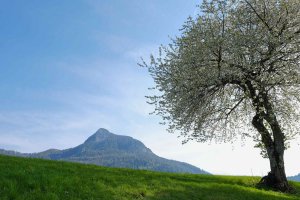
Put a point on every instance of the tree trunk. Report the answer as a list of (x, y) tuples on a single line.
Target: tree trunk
[(275, 149), (272, 137), (277, 177)]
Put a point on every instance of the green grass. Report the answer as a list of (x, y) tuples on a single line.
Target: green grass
[(25, 178)]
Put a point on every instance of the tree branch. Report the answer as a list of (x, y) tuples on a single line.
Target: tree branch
[(235, 106), (258, 15)]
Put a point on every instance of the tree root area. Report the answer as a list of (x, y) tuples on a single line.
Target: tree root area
[(270, 182)]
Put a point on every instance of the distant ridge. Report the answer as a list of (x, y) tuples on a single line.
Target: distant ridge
[(107, 149), (294, 178)]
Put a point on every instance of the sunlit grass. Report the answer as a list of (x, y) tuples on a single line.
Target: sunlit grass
[(24, 178)]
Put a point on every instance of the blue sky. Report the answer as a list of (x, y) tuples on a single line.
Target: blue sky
[(70, 67)]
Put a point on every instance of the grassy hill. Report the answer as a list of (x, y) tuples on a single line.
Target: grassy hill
[(28, 178)]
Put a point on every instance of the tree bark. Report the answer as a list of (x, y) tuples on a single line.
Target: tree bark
[(272, 137), (275, 149), (277, 174)]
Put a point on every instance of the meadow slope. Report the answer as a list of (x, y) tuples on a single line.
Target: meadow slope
[(28, 178)]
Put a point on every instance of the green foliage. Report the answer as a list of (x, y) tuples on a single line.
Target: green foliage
[(25, 178)]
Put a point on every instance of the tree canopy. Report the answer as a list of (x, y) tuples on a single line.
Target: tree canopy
[(233, 71), (203, 75)]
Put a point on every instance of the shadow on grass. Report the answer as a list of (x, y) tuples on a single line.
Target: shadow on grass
[(220, 192)]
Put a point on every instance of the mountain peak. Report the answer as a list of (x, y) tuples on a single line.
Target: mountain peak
[(105, 140), (100, 135), (103, 131)]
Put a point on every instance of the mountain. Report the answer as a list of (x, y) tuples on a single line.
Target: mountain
[(107, 149), (12, 153), (294, 178)]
